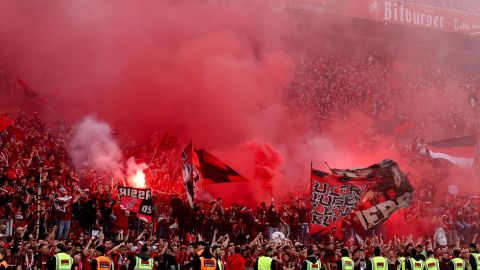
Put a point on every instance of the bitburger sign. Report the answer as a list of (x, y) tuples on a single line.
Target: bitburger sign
[(399, 12)]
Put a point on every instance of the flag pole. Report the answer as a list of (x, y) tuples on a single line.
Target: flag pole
[(192, 149), (333, 172), (39, 210), (310, 202), (153, 157), (52, 112)]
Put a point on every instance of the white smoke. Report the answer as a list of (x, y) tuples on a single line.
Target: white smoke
[(92, 146)]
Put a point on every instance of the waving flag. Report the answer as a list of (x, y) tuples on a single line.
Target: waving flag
[(132, 204), (459, 150), (190, 173), (6, 122), (138, 200), (367, 196), (214, 171)]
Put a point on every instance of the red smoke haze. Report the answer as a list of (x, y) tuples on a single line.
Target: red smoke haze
[(215, 74)]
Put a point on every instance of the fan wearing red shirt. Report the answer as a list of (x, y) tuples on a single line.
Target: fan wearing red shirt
[(236, 261), (88, 255), (189, 258), (121, 221), (182, 256), (249, 263)]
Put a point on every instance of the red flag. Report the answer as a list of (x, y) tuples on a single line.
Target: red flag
[(132, 204), (6, 122), (371, 195), (27, 90), (144, 218), (338, 230)]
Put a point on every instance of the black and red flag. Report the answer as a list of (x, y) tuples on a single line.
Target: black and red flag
[(214, 171), (366, 196), (201, 168), (190, 173), (138, 200)]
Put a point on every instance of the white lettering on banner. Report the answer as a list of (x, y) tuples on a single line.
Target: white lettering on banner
[(143, 194), (465, 26), (334, 202), (380, 212), (147, 209), (398, 12)]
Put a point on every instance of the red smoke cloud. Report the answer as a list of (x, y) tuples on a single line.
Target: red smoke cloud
[(214, 73), (211, 73)]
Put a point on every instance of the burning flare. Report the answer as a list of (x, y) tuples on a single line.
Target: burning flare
[(138, 179), (135, 174)]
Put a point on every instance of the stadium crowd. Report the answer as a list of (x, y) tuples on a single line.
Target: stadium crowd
[(45, 202), (79, 212), (380, 81)]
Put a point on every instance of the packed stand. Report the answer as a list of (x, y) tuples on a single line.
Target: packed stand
[(348, 80), (44, 201)]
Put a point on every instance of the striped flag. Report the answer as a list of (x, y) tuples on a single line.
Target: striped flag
[(460, 150)]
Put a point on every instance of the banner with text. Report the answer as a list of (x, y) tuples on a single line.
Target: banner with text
[(397, 12), (138, 200), (333, 198), (366, 196)]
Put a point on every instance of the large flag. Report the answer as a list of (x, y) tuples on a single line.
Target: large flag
[(198, 164), (27, 90), (366, 196), (138, 200), (459, 150), (190, 173), (214, 171)]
